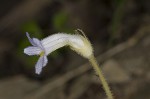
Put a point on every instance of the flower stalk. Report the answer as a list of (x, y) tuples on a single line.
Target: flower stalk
[(101, 77)]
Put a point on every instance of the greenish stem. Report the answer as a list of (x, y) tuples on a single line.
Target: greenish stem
[(101, 77)]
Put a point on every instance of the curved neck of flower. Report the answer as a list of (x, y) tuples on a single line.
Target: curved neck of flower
[(82, 46)]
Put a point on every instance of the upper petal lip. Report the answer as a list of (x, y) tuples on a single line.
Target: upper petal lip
[(30, 40), (34, 41)]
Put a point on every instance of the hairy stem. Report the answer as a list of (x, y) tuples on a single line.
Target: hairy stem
[(101, 77)]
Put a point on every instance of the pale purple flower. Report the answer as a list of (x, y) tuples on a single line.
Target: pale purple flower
[(44, 47), (37, 49)]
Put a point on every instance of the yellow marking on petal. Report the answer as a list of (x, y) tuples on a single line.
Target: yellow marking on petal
[(42, 53)]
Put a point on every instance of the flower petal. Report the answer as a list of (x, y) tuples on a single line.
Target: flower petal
[(30, 40), (38, 43), (32, 50), (45, 60), (40, 64)]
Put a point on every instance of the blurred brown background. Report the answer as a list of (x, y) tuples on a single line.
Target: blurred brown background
[(118, 29)]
